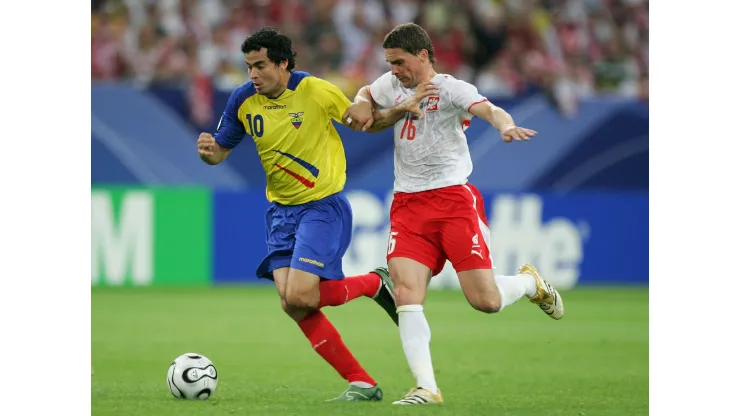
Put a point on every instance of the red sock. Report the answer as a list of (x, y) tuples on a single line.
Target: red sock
[(329, 345), (339, 292)]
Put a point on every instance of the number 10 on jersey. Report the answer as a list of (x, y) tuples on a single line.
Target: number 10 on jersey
[(408, 128), (256, 127)]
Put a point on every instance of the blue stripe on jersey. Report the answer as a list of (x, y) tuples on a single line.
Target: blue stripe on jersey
[(309, 167), (295, 79), (230, 130)]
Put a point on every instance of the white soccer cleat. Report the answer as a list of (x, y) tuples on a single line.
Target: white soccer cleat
[(420, 395), (547, 297)]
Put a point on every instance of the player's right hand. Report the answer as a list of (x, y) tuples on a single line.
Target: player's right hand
[(517, 133), (423, 90), (206, 144), (359, 116)]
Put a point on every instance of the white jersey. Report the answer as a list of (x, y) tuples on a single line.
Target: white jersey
[(432, 152)]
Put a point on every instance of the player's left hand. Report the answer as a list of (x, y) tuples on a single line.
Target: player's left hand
[(517, 133), (423, 90), (359, 116)]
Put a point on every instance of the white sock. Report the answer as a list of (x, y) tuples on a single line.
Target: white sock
[(512, 288), (415, 338), (361, 384)]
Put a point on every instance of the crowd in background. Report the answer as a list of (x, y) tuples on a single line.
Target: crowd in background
[(570, 49)]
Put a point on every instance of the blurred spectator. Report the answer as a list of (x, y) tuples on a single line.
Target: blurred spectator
[(567, 49), (147, 54), (487, 25), (108, 56), (497, 78), (355, 21)]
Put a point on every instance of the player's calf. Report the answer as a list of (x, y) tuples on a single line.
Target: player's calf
[(486, 305), (339, 292), (480, 290)]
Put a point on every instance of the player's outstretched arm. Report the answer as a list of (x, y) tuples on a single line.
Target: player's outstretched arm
[(387, 117), (210, 151), (501, 120), (359, 115)]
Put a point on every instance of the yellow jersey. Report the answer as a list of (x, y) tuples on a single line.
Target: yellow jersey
[(300, 150)]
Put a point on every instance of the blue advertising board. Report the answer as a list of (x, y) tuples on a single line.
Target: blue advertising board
[(576, 238)]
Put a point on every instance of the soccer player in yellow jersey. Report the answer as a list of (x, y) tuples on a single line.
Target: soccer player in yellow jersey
[(308, 226)]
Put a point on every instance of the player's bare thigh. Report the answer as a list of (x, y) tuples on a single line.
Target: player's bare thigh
[(410, 279), (480, 289), (298, 290)]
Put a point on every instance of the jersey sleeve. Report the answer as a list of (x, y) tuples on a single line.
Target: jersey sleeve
[(382, 90), (230, 131), (464, 95), (330, 97)]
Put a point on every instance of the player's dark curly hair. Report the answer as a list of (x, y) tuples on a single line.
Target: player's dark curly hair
[(279, 46), (410, 37)]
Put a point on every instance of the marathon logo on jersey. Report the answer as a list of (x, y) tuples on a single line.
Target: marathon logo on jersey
[(296, 119), (275, 107), (433, 103)]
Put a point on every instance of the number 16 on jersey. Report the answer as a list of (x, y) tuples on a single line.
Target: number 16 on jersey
[(408, 128)]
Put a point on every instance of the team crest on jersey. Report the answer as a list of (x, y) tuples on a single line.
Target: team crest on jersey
[(433, 103), (296, 119)]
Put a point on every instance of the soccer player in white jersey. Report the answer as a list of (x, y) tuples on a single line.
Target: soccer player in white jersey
[(436, 215)]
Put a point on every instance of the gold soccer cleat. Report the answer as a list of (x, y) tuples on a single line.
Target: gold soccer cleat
[(547, 297), (420, 395)]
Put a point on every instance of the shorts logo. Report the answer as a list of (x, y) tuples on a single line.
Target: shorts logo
[(296, 119), (433, 103), (476, 245), (310, 261)]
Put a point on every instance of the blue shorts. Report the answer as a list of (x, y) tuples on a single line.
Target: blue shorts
[(312, 237)]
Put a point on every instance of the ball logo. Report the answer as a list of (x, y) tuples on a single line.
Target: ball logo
[(192, 376)]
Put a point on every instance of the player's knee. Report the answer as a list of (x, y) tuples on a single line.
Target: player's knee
[(487, 305), (301, 299), (408, 295), (296, 314)]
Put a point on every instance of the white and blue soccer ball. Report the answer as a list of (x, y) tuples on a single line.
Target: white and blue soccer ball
[(192, 376)]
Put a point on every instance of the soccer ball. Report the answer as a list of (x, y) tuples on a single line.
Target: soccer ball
[(192, 376)]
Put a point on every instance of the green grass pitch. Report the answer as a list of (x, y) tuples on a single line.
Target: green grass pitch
[(518, 362)]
